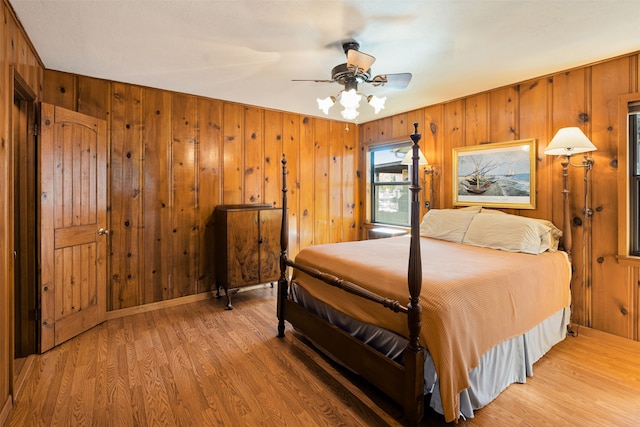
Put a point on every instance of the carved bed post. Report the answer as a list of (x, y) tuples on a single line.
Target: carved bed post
[(414, 355), (283, 283)]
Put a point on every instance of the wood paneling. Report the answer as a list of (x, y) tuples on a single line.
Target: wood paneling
[(503, 112), (321, 190), (273, 157), (336, 131), (476, 119), (306, 184), (233, 155), (209, 182), (253, 155), (610, 296), (184, 188), (291, 148), (534, 97), (156, 196), (125, 201)]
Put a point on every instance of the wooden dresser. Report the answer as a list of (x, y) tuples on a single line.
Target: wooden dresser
[(247, 246)]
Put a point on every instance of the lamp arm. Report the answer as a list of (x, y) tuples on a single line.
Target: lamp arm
[(587, 164), (567, 240), (432, 171)]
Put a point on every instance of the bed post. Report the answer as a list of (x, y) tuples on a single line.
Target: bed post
[(414, 354), (283, 283)]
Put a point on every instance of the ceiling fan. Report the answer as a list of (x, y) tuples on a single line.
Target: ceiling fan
[(355, 71)]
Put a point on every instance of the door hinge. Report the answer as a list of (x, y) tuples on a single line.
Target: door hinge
[(35, 129), (35, 314)]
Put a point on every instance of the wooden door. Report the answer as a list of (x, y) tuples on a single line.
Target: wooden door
[(73, 201), (270, 224)]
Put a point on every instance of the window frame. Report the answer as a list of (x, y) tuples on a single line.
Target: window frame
[(625, 202), (372, 184), (633, 176)]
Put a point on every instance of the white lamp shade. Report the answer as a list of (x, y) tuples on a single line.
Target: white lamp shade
[(326, 103), (569, 141), (408, 158)]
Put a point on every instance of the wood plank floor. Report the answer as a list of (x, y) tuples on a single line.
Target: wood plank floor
[(199, 365)]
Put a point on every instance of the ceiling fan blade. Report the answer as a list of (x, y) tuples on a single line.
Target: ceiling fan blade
[(313, 80), (357, 59), (393, 81)]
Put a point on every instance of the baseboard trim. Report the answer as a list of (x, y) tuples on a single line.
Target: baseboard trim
[(22, 376), (6, 410), (123, 312)]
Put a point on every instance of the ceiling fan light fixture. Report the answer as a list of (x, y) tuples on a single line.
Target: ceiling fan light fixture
[(326, 103), (376, 103), (349, 113), (350, 99)]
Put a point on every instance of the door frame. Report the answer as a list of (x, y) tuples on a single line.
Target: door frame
[(19, 88)]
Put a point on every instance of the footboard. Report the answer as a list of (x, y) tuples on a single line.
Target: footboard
[(403, 383)]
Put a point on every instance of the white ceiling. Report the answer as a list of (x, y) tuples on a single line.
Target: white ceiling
[(248, 51)]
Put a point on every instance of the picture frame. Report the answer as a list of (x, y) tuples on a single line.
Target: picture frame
[(498, 175)]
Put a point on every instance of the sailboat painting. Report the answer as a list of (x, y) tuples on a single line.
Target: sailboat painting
[(498, 175)]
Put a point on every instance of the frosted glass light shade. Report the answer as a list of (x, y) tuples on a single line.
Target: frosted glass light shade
[(569, 141), (376, 103), (326, 103), (349, 113), (350, 99)]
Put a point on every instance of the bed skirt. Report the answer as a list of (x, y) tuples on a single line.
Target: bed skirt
[(507, 363)]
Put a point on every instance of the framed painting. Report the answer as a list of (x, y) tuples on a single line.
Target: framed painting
[(500, 175)]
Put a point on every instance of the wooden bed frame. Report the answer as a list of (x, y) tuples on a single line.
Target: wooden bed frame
[(403, 383)]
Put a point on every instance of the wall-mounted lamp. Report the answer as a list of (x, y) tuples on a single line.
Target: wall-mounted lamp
[(431, 171), (428, 170), (567, 142)]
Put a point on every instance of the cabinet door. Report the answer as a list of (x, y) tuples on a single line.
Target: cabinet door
[(243, 260), (270, 223)]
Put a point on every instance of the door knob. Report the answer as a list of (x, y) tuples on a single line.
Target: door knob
[(102, 231)]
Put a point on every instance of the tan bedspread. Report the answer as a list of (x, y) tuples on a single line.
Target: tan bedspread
[(472, 298)]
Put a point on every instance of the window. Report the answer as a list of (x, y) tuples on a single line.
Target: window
[(634, 178), (389, 182)]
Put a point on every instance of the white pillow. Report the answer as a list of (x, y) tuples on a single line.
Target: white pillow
[(446, 224), (507, 232), (554, 232)]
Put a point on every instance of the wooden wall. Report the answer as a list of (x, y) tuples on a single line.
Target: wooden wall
[(605, 292), (174, 157), (16, 56)]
